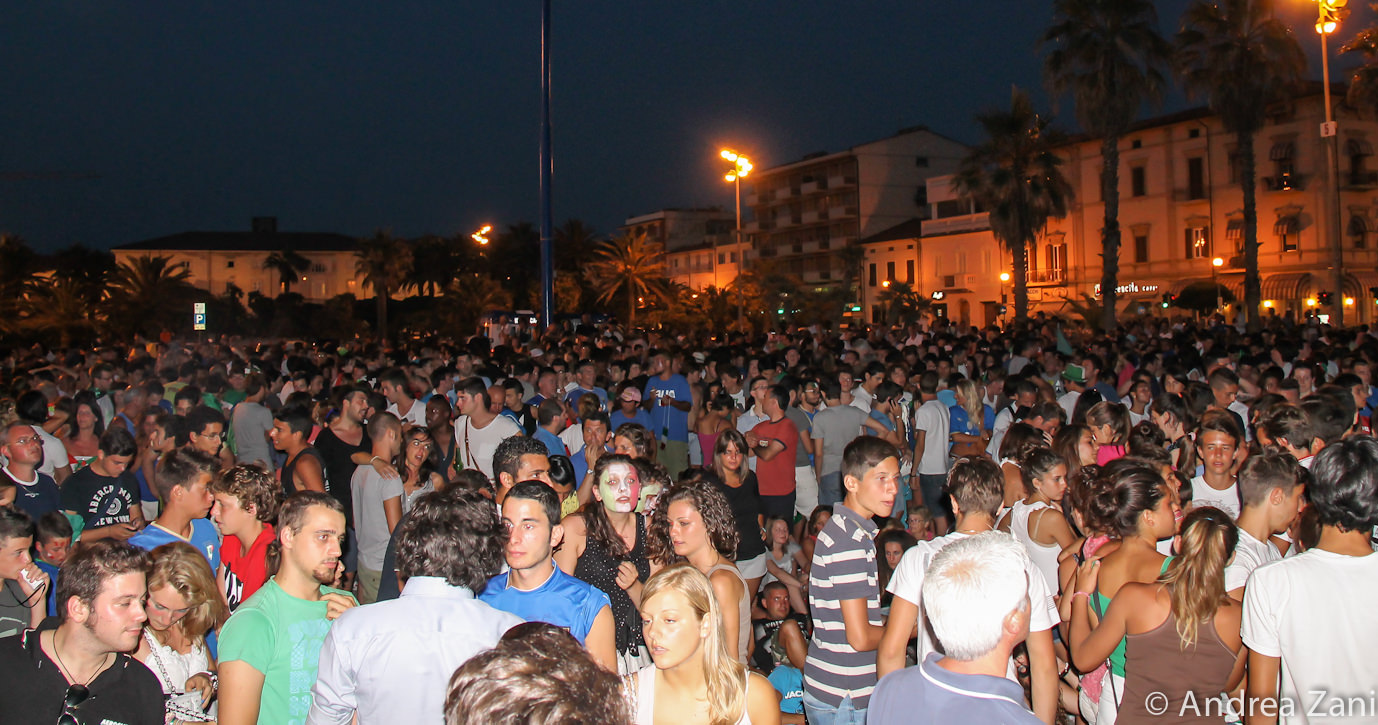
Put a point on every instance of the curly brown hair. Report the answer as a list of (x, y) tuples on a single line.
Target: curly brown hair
[(704, 496), (251, 485)]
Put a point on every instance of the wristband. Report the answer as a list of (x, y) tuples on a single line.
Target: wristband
[(215, 681), (1084, 594)]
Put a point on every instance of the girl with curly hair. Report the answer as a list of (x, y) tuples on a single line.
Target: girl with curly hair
[(693, 523)]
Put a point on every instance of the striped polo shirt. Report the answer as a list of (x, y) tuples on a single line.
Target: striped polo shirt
[(844, 567)]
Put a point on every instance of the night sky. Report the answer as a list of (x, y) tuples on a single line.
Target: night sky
[(129, 120)]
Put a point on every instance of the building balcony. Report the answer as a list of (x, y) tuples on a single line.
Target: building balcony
[(956, 224), (1047, 277), (1285, 182), (808, 187), (838, 181)]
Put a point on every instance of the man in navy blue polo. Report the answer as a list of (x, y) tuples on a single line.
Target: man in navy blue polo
[(976, 596)]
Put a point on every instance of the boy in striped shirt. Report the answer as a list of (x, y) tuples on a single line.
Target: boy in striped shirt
[(840, 672)]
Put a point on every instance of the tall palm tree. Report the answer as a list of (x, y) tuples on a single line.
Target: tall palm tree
[(288, 264), (1110, 56), (1017, 177), (18, 263), (145, 293), (902, 302), (89, 271), (61, 307), (435, 261), (631, 264), (1235, 53), (384, 261)]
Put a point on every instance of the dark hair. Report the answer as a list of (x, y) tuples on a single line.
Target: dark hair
[(292, 516), (32, 407), (1288, 422), (453, 534), (85, 572), (718, 521), (537, 673), (883, 569), (1145, 437), (541, 493), (643, 440), (297, 418), (393, 376), (118, 441), (431, 463), (1172, 404), (1344, 484), (1020, 439), (251, 485), (52, 525), (562, 471), (865, 453), (1327, 414), (547, 411), (507, 458), (1038, 463), (201, 416), (1219, 421), (597, 527), (474, 388), (88, 399), (180, 467), (1266, 471), (729, 437), (15, 523), (1126, 489), (977, 485), (1066, 444)]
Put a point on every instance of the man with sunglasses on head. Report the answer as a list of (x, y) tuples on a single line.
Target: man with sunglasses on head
[(78, 673)]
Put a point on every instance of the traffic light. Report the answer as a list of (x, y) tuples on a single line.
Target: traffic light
[(1324, 298), (1003, 309), (1374, 291), (1167, 300)]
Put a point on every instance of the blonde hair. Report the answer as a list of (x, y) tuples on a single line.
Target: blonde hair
[(1196, 578), (183, 568), (970, 397), (725, 676)]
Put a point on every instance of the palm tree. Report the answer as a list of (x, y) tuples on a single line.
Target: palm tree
[(1239, 56), (145, 293), (89, 271), (435, 261), (902, 302), (288, 264), (631, 264), (18, 263), (383, 261), (1363, 82), (574, 241), (1017, 177), (1110, 56), (62, 307)]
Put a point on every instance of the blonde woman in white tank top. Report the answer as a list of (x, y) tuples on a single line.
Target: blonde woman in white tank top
[(694, 680)]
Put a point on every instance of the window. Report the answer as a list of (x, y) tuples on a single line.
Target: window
[(1055, 256), (1140, 248), (1136, 144), (1198, 242), (1234, 234), (1235, 163), (722, 258), (921, 161), (873, 274), (1283, 156), (909, 271), (229, 264), (1288, 231), (1358, 232), (1358, 151), (1138, 181), (318, 268), (1193, 133), (1196, 178), (889, 270), (674, 263), (732, 257)]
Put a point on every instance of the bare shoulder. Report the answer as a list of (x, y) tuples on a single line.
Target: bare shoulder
[(574, 525)]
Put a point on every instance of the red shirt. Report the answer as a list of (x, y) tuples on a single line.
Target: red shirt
[(776, 476), (245, 574)]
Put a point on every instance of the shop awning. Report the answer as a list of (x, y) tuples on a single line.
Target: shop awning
[(1282, 151), (1287, 225), (1358, 147), (1285, 286)]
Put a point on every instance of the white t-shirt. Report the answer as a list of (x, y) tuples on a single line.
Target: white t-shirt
[(1003, 420), (933, 419), (573, 438), (1315, 612), (907, 584), (1068, 401), (415, 416), (474, 447), (861, 398), (1249, 554), (54, 452), (1203, 495)]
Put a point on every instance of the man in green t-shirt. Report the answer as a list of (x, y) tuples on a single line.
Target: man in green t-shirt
[(270, 647)]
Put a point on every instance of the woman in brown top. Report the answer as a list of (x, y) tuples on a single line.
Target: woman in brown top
[(1183, 646)]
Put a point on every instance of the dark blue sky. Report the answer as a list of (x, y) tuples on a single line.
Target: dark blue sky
[(123, 121)]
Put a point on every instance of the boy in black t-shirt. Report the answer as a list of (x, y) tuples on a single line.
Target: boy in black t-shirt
[(104, 493)]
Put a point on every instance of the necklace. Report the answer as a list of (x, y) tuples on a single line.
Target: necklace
[(68, 672)]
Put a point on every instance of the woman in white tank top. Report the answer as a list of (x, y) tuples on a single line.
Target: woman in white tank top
[(694, 680), (1037, 521), (183, 604)]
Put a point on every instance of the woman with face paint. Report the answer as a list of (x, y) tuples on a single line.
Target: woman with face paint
[(183, 604), (605, 546)]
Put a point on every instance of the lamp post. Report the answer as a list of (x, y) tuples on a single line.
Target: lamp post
[(1330, 14), (1216, 264), (741, 166), (546, 174), (1004, 300)]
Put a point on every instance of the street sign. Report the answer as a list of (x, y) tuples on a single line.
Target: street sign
[(1328, 129), (198, 316)]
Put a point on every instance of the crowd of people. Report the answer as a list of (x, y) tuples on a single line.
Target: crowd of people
[(1173, 523)]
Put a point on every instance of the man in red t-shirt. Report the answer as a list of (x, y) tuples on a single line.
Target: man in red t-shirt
[(246, 499), (775, 442)]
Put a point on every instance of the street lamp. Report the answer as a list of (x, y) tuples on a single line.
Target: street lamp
[(1331, 12), (1004, 299), (741, 166), (481, 236), (1216, 264)]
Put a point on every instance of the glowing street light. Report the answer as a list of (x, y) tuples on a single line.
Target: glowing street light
[(481, 236), (1330, 13), (1004, 276), (741, 166)]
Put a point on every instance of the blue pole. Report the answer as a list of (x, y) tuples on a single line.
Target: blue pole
[(547, 253)]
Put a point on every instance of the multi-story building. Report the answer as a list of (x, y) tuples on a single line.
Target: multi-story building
[(701, 248), (806, 213), (1181, 207), (217, 260)]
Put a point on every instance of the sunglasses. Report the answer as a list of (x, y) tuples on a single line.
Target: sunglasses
[(76, 694)]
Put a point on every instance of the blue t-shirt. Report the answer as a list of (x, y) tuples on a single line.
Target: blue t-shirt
[(38, 499), (881, 418), (562, 601), (203, 537), (574, 395), (51, 570), (667, 421), (789, 682), (552, 442), (642, 418)]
